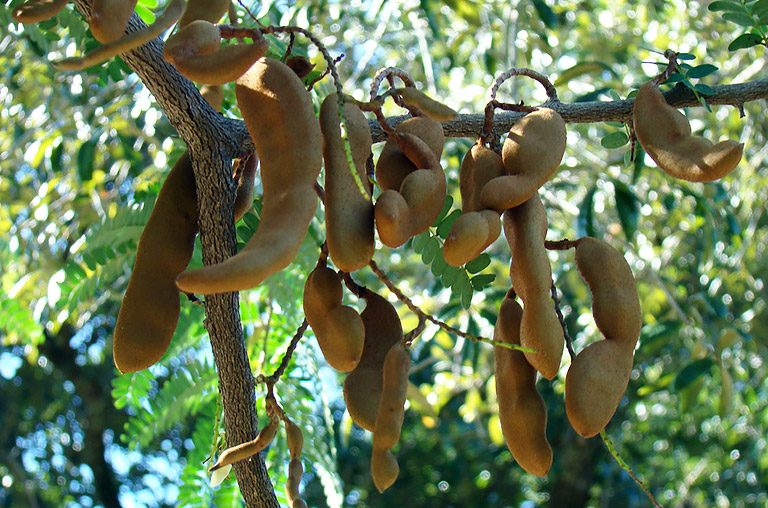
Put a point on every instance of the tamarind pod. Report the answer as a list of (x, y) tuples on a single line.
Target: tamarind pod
[(246, 178), (392, 165), (384, 468), (522, 412), (299, 503), (348, 214), (531, 154), (301, 66), (295, 472), (150, 308), (109, 18), (615, 303), (665, 135), (479, 166), (35, 11), (279, 115), (339, 328), (208, 10), (214, 95), (125, 43), (599, 374), (224, 65), (389, 416), (197, 38), (470, 235), (362, 387), (218, 476), (525, 228), (249, 448), (429, 106), (295, 438), (399, 215)]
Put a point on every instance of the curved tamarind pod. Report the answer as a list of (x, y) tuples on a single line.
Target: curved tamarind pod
[(404, 214), (599, 374), (479, 166), (525, 227), (384, 468), (348, 214), (226, 64), (277, 111), (35, 11), (470, 235), (300, 65), (522, 412), (531, 153), (429, 106), (393, 165), (150, 308), (295, 438), (208, 10), (109, 18), (125, 43), (249, 448), (197, 38), (339, 328), (389, 416), (665, 135), (295, 472), (245, 177), (214, 95), (362, 387)]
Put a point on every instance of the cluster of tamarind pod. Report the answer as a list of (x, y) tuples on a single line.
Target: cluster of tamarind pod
[(498, 189)]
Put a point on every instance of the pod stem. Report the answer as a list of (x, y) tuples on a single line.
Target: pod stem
[(549, 88), (275, 376), (561, 318), (423, 315), (612, 450), (490, 109)]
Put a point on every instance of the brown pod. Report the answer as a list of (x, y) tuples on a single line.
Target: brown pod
[(525, 228), (402, 214), (301, 65), (531, 153), (214, 95), (429, 106), (384, 468), (392, 165), (227, 64), (599, 374), (348, 213), (279, 115), (208, 10), (249, 448), (109, 18), (522, 412), (197, 38), (295, 438), (362, 387), (665, 135), (245, 177), (150, 309), (479, 166), (35, 11), (295, 472), (339, 328), (125, 43), (389, 416)]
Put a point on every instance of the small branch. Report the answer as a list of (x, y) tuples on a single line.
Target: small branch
[(563, 244), (568, 340), (548, 86), (275, 376), (448, 328), (612, 450)]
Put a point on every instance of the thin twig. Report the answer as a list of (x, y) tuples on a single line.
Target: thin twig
[(275, 376), (563, 244), (448, 328), (548, 86), (568, 340), (612, 450)]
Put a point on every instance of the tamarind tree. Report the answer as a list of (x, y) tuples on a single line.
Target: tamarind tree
[(86, 153)]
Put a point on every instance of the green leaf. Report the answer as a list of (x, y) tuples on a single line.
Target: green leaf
[(85, 160), (686, 56), (592, 96), (726, 6), (546, 13), (628, 207), (430, 250), (445, 226), (480, 282), (56, 157), (615, 140), (702, 70), (145, 14), (479, 263), (639, 162), (743, 41), (582, 68), (244, 233), (438, 264), (585, 221), (446, 208), (760, 6), (704, 89), (692, 372), (739, 18), (420, 241), (449, 276), (251, 220)]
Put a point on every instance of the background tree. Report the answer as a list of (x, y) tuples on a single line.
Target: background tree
[(85, 154)]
